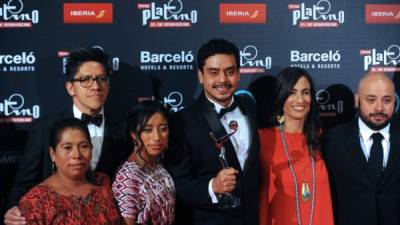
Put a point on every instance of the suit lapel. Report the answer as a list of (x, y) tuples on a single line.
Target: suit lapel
[(217, 128), (354, 146), (252, 158), (393, 152)]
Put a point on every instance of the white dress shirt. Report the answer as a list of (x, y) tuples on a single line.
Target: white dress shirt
[(366, 140), (96, 136), (240, 140)]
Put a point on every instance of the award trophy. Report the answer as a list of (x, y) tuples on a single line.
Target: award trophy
[(228, 200)]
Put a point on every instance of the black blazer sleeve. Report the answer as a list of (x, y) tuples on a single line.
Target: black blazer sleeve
[(34, 163), (191, 190)]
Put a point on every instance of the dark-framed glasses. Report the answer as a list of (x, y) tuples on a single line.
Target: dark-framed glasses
[(87, 81)]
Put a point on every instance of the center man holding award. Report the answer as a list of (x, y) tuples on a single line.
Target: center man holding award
[(213, 155)]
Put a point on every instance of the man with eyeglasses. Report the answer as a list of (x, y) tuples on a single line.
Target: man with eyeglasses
[(87, 82)]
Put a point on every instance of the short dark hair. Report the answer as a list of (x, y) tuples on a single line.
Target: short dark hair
[(216, 46), (60, 126), (138, 117), (284, 83), (81, 55)]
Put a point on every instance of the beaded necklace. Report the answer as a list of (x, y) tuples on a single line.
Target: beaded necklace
[(304, 189)]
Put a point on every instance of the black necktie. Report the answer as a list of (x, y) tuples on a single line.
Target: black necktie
[(225, 110), (95, 119), (376, 155)]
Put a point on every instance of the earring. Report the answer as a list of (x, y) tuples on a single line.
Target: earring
[(53, 167), (135, 145), (280, 119)]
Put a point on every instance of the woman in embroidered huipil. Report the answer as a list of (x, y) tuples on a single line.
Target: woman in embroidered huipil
[(143, 188), (73, 195)]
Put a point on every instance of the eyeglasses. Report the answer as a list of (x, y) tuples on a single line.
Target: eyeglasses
[(87, 81)]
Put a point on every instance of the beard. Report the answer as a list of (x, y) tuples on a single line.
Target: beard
[(371, 124)]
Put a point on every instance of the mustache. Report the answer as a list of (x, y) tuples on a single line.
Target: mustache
[(225, 85), (378, 114)]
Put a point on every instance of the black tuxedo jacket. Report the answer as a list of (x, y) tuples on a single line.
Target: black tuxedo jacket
[(358, 198), (192, 160), (36, 164)]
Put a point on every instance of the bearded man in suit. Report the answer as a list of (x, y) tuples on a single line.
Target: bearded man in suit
[(362, 157), (193, 161)]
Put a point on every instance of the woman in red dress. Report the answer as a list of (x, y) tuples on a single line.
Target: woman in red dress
[(294, 186), (73, 195)]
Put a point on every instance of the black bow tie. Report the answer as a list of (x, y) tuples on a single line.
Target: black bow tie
[(228, 109), (96, 119)]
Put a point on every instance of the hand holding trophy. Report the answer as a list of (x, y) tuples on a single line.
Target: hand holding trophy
[(226, 200)]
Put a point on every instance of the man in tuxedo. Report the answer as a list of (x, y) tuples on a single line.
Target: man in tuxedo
[(362, 157), (192, 159), (88, 73)]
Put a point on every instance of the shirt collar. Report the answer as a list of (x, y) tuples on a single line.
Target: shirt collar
[(78, 113), (366, 132), (218, 106)]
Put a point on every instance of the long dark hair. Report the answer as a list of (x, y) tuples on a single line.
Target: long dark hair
[(284, 83), (137, 119)]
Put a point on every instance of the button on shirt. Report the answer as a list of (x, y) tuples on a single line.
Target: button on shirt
[(366, 140), (96, 137), (240, 140)]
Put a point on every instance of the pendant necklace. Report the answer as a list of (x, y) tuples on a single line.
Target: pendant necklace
[(305, 190)]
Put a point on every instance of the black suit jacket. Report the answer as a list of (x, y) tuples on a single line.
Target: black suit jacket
[(192, 161), (358, 198), (36, 164)]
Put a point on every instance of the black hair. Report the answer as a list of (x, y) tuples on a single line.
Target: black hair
[(214, 47), (137, 119), (60, 126), (57, 131), (81, 55), (284, 83)]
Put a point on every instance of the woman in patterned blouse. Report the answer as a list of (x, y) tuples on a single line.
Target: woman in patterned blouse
[(143, 188), (73, 195)]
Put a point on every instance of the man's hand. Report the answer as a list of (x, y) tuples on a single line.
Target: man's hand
[(225, 181), (14, 217)]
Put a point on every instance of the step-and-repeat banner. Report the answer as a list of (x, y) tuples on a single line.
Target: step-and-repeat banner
[(152, 46)]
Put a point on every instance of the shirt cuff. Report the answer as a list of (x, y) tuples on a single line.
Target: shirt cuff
[(214, 198)]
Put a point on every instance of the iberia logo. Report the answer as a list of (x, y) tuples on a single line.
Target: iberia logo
[(381, 13), (242, 13), (88, 13)]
